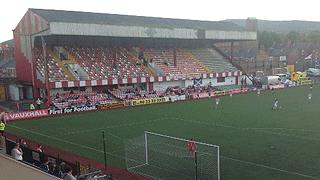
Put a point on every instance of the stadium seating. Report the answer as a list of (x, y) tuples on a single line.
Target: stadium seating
[(102, 63), (134, 93), (185, 64), (213, 60), (61, 101), (55, 73)]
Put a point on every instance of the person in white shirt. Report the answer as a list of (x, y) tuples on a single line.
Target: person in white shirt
[(38, 101), (17, 153), (275, 104), (217, 102), (309, 97), (68, 174), (32, 106)]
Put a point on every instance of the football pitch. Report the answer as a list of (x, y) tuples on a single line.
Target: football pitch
[(255, 141)]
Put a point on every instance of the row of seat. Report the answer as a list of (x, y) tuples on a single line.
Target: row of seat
[(131, 93), (61, 101), (164, 58), (213, 60), (103, 63), (55, 73)]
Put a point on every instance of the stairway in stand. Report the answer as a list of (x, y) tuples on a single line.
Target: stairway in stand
[(62, 64), (192, 57), (136, 59)]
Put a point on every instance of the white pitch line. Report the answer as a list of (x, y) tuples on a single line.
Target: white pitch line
[(115, 126), (82, 131), (289, 135), (87, 147), (259, 130), (270, 167), (69, 142), (137, 166), (286, 129)]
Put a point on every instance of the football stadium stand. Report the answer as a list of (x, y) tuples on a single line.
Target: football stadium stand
[(102, 63), (91, 63), (134, 93), (55, 73), (185, 64), (61, 101), (213, 60)]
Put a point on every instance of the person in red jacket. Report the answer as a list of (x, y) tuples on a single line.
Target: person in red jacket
[(191, 147)]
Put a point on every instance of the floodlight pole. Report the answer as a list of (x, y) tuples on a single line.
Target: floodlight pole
[(104, 151)]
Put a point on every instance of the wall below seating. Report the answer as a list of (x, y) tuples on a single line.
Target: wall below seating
[(162, 86), (228, 81)]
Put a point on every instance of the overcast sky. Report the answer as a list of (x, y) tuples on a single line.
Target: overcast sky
[(11, 11)]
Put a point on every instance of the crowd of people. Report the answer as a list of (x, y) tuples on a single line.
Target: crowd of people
[(177, 90), (200, 89), (60, 170), (134, 93), (70, 99)]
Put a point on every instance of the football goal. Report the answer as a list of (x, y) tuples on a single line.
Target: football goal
[(159, 156)]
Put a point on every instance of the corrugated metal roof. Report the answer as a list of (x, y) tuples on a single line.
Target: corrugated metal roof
[(115, 19)]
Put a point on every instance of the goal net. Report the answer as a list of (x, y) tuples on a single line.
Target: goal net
[(160, 156)]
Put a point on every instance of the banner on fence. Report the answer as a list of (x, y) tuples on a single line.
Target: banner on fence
[(149, 101), (25, 115), (201, 95), (177, 98), (277, 86), (110, 106), (72, 109)]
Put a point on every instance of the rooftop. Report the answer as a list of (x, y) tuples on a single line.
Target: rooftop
[(116, 19)]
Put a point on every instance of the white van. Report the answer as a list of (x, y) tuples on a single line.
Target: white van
[(283, 77)]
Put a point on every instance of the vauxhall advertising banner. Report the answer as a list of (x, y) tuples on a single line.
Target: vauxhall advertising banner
[(25, 115)]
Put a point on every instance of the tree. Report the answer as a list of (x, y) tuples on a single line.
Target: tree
[(268, 39), (314, 37), (292, 37)]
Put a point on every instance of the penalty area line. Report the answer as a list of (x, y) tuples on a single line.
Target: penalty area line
[(270, 167)]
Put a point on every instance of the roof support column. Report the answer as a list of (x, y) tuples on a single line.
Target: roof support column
[(175, 56), (231, 52)]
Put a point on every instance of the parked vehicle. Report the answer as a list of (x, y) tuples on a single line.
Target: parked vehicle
[(313, 72), (270, 80)]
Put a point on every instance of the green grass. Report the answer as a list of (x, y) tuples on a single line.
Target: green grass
[(256, 142)]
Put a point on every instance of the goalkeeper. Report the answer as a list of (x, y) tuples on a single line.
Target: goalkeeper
[(191, 147)]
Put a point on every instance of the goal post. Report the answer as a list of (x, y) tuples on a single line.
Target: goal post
[(161, 156)]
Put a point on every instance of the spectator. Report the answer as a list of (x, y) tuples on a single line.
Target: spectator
[(52, 167), (57, 95), (39, 148), (18, 106), (17, 153), (32, 106), (22, 142), (57, 171), (2, 128), (2, 125), (38, 101), (45, 166), (48, 103), (68, 174)]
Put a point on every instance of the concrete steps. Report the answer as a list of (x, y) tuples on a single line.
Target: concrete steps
[(62, 65)]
